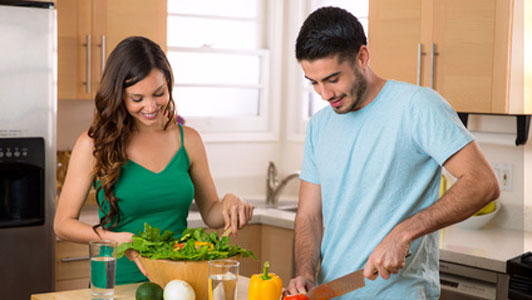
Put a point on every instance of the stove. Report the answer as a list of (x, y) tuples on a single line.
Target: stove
[(520, 270)]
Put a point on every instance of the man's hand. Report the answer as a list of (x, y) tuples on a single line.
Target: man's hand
[(298, 285), (388, 257)]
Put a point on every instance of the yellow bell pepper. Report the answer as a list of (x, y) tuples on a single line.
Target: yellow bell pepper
[(265, 286)]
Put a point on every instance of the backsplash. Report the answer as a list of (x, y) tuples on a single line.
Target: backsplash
[(63, 158)]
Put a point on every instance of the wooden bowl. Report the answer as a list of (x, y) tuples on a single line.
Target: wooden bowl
[(162, 271)]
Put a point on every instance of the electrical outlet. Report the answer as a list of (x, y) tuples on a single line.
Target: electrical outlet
[(504, 173)]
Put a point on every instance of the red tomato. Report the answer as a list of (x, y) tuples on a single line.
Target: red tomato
[(296, 297)]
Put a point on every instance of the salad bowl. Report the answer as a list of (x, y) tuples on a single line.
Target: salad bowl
[(195, 273), (165, 257)]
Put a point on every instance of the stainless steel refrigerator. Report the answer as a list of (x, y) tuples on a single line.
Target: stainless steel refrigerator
[(28, 98)]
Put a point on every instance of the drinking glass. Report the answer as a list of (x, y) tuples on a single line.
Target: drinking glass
[(223, 276), (103, 268)]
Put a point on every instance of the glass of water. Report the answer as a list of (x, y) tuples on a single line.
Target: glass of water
[(223, 276), (103, 268)]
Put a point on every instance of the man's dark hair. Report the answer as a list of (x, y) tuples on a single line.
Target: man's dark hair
[(330, 31)]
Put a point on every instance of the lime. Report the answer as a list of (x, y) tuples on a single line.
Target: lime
[(149, 291)]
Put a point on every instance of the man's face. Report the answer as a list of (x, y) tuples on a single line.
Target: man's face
[(341, 84)]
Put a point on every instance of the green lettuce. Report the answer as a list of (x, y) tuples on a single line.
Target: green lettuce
[(152, 244)]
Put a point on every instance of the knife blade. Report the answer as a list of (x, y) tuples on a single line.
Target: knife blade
[(338, 286)]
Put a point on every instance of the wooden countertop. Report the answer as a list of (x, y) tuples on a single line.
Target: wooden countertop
[(125, 292)]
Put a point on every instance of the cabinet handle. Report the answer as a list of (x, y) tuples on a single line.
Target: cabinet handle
[(419, 64), (432, 54), (88, 62), (420, 53), (102, 52), (71, 259)]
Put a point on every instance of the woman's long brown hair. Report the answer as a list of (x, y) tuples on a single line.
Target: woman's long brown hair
[(130, 62)]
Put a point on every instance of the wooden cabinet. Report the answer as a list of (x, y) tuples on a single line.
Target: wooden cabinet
[(72, 266), (88, 30), (463, 49), (277, 247), (268, 243), (248, 238)]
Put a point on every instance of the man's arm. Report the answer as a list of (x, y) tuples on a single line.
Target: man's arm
[(308, 235), (475, 187)]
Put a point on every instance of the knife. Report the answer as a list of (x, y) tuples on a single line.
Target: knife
[(339, 286)]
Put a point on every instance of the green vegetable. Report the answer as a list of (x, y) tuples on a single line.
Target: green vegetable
[(149, 291), (194, 244)]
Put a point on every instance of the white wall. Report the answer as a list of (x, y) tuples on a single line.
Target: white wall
[(73, 117)]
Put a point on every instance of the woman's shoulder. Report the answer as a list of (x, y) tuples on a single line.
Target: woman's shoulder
[(191, 135), (84, 144), (82, 153), (84, 140)]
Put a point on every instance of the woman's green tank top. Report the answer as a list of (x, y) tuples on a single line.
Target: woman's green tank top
[(160, 199)]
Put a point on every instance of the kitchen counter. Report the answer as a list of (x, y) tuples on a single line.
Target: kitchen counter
[(125, 292), (487, 248)]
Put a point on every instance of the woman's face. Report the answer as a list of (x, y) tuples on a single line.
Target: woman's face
[(146, 100)]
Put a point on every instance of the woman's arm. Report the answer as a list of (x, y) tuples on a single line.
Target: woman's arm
[(232, 211), (77, 183)]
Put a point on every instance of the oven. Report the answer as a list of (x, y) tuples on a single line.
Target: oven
[(469, 283)]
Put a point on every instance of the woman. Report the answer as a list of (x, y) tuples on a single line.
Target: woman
[(144, 165)]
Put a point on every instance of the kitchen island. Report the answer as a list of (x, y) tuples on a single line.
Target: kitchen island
[(126, 292)]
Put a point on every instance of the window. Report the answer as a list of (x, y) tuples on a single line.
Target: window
[(220, 58), (310, 101)]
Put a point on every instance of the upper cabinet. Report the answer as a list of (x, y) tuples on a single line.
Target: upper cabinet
[(88, 30), (471, 52)]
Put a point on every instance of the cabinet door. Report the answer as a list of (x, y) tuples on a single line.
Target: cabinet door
[(114, 20), (73, 20), (248, 238), (72, 266), (277, 246), (105, 23), (395, 31), (127, 18), (471, 65)]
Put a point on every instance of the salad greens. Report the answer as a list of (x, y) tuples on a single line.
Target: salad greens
[(194, 244)]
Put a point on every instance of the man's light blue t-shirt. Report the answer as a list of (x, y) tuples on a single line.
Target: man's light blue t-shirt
[(376, 167)]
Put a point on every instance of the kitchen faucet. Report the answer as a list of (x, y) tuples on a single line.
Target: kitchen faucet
[(274, 186)]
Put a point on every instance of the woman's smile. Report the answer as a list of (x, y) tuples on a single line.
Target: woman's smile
[(150, 116)]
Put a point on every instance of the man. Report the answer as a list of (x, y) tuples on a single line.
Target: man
[(372, 167)]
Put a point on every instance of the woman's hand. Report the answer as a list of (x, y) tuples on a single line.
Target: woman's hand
[(125, 237), (236, 212), (133, 255)]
